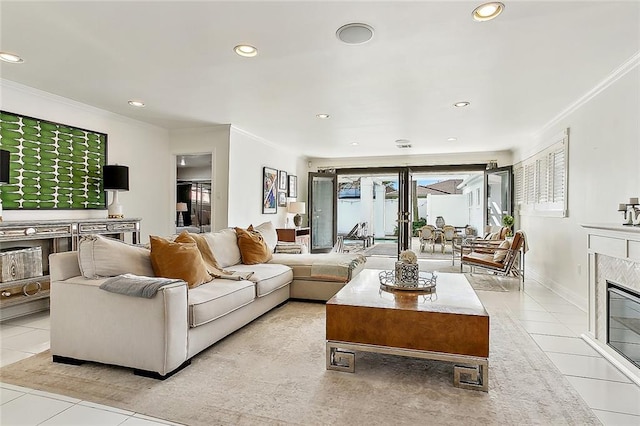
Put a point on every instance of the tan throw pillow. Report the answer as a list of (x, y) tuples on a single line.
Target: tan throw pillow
[(253, 249), (499, 255), (178, 260)]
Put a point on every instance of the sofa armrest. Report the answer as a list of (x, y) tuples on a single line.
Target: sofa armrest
[(64, 265), (91, 324)]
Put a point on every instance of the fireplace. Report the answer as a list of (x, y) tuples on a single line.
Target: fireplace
[(623, 322), (614, 295)]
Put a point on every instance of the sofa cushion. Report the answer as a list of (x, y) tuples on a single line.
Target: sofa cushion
[(268, 232), (178, 260), (100, 256), (253, 249), (224, 246), (267, 276), (332, 267), (218, 298)]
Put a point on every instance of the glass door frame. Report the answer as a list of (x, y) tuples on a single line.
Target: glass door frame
[(334, 213), (509, 200), (405, 219)]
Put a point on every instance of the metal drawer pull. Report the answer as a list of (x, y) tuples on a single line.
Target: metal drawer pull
[(26, 293)]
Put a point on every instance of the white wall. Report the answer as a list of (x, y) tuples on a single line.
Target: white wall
[(212, 140), (452, 207), (142, 147), (604, 154), (248, 154)]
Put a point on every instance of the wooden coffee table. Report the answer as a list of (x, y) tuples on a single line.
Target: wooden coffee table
[(450, 325)]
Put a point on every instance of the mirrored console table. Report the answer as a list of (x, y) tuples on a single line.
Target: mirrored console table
[(25, 296)]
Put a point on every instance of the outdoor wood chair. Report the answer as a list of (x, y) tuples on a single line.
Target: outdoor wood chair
[(447, 235), (501, 259), (427, 234)]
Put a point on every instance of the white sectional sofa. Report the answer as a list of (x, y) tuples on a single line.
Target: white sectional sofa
[(158, 336)]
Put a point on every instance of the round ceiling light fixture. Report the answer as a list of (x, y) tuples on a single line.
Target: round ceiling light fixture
[(355, 33), (452, 139), (12, 58), (487, 11), (323, 116), (246, 50), (461, 104), (137, 104)]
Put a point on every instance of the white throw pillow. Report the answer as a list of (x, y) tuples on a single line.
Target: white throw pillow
[(499, 255), (101, 256), (268, 232), (224, 246)]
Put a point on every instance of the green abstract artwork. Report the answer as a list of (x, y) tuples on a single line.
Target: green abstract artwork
[(52, 165)]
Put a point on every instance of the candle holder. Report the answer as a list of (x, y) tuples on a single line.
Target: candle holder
[(631, 212)]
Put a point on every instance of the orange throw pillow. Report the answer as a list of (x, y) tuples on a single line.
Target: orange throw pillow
[(181, 260), (253, 248)]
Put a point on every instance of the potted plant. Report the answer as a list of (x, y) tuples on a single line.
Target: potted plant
[(507, 220)]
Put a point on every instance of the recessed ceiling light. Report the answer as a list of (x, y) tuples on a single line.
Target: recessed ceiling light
[(137, 104), (461, 104), (487, 11), (323, 116), (11, 58), (452, 139), (246, 50), (354, 144), (355, 33)]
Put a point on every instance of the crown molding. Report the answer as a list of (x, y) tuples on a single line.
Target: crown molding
[(614, 76)]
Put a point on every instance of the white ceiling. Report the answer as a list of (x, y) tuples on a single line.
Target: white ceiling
[(518, 71)]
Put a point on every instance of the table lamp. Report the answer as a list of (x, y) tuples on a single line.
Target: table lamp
[(4, 172), (297, 207), (116, 179), (180, 208)]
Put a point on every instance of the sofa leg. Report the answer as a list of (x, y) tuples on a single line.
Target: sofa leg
[(67, 360), (158, 376)]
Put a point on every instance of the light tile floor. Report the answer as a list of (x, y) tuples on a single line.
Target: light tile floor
[(552, 322)]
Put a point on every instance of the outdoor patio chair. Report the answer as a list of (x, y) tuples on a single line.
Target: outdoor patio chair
[(448, 234), (427, 234), (360, 232), (499, 259)]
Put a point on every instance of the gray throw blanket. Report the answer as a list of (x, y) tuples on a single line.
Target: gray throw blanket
[(136, 285)]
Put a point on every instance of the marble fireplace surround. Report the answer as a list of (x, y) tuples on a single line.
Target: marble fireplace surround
[(614, 255)]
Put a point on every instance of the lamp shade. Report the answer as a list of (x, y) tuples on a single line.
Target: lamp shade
[(181, 207), (4, 165), (116, 178), (297, 207)]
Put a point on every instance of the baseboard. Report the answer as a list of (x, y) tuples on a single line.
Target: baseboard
[(572, 297)]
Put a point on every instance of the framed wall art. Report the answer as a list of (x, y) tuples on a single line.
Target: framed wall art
[(52, 165), (282, 180), (269, 190), (292, 191), (282, 199)]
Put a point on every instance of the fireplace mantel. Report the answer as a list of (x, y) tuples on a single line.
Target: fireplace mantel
[(614, 254)]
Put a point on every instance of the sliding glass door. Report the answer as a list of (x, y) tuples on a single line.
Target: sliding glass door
[(322, 211)]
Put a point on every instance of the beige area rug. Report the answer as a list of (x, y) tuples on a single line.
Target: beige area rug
[(273, 372)]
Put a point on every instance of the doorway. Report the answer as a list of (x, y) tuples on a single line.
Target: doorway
[(379, 211), (193, 193)]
